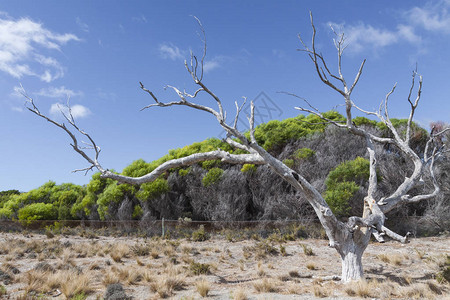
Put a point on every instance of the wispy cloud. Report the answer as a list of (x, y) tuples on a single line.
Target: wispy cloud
[(83, 26), (22, 42), (434, 16), (58, 92), (140, 19), (280, 54), (78, 111), (362, 36), (171, 52)]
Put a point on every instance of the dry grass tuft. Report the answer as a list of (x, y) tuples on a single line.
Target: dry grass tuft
[(392, 258), (166, 285), (360, 288), (320, 291), (203, 287), (294, 274), (417, 291), (266, 286), (120, 251), (76, 284), (261, 271), (239, 294), (154, 253), (35, 281), (307, 250), (110, 277), (311, 266)]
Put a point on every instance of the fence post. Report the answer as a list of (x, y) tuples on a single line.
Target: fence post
[(162, 225)]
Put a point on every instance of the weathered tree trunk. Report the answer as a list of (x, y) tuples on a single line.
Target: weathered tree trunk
[(352, 268), (351, 249)]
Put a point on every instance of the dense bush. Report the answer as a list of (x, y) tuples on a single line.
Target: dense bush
[(304, 153), (343, 182), (329, 157), (248, 168), (38, 211), (212, 177)]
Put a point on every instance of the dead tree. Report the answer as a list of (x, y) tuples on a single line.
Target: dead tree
[(350, 238)]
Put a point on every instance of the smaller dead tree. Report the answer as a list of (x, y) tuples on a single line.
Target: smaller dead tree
[(351, 238)]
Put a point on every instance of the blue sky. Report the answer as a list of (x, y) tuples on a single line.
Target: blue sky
[(96, 52)]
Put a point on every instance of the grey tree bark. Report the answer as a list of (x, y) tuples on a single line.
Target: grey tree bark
[(350, 239)]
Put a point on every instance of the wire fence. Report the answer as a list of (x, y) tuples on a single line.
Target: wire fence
[(172, 228), (185, 227)]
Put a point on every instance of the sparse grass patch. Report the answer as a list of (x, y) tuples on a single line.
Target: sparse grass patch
[(311, 266), (392, 258), (200, 235), (417, 291), (307, 250), (444, 274), (3, 290)]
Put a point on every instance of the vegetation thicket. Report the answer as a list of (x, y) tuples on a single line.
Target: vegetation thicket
[(333, 160)]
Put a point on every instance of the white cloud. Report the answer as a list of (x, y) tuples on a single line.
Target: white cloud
[(21, 44), (58, 92), (407, 32), (170, 51), (362, 36), (216, 62), (78, 111), (83, 26), (211, 65), (434, 16)]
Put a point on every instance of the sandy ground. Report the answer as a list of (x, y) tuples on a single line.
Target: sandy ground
[(248, 269)]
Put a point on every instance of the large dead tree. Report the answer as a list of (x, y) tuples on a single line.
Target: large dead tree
[(349, 238)]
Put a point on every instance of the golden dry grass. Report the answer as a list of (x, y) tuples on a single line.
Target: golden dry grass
[(231, 271), (203, 287)]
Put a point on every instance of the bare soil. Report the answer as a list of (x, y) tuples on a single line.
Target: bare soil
[(249, 269)]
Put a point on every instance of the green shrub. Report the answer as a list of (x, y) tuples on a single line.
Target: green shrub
[(338, 197), (356, 170), (212, 177), (37, 211), (3, 290), (343, 182), (200, 235), (199, 268), (209, 164), (248, 168), (6, 213), (151, 190), (304, 153), (288, 162), (184, 172), (444, 274), (137, 212), (275, 134), (359, 121)]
